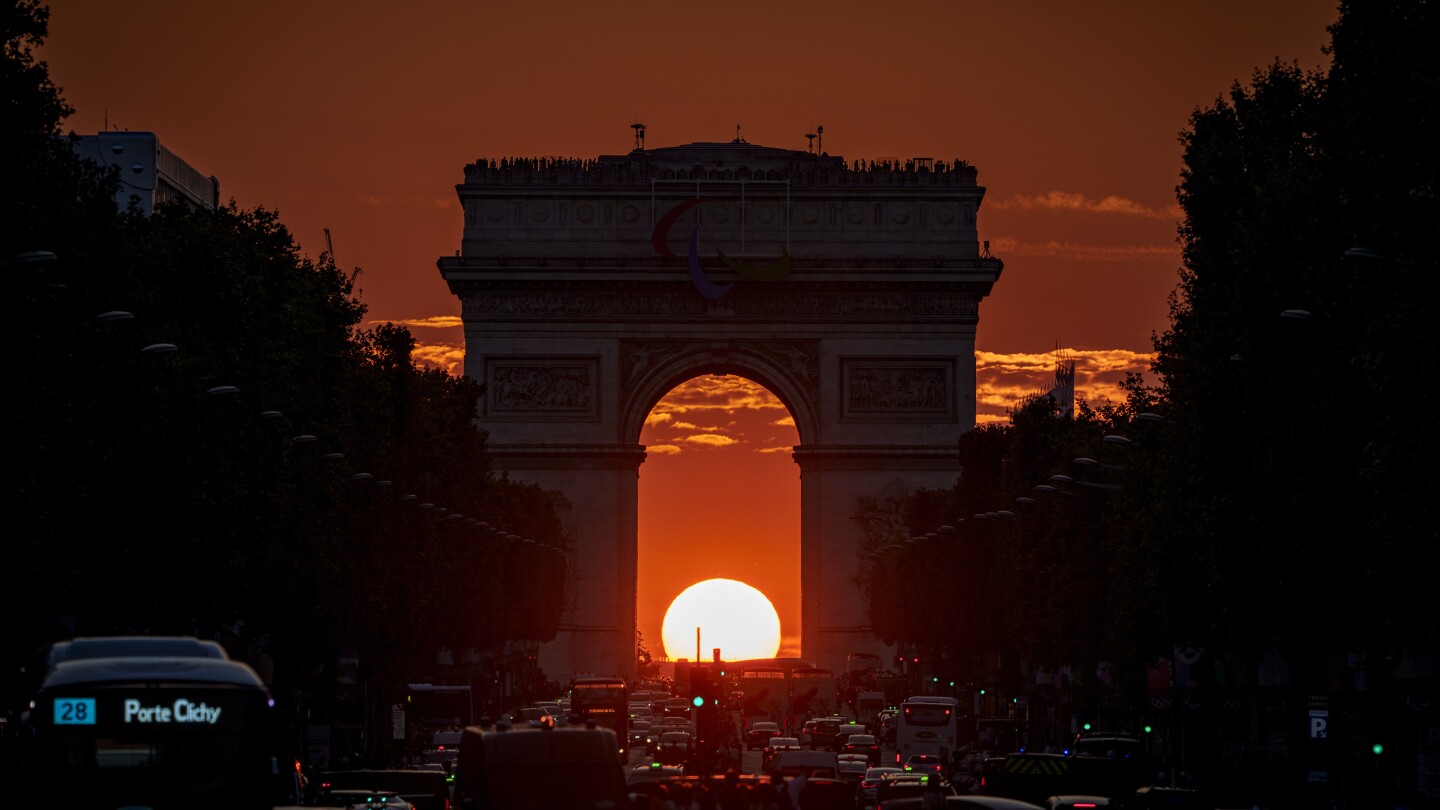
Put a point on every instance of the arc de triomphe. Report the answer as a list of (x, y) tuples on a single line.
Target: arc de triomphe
[(590, 288)]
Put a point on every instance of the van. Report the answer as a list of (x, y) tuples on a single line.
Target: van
[(539, 769)]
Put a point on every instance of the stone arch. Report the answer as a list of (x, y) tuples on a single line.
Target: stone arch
[(577, 332), (762, 362)]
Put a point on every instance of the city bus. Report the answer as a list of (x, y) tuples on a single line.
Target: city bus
[(161, 732), (606, 703), (438, 707), (927, 724), (766, 694), (813, 693)]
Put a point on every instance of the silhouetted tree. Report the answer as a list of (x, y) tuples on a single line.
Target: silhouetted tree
[(257, 472)]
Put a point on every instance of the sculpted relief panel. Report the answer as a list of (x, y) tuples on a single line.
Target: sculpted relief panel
[(529, 387), (897, 389)]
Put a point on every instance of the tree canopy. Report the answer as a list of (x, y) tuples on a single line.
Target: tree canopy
[(207, 433), (1268, 493)]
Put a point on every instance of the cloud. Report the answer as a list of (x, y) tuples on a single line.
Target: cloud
[(432, 322), (1003, 380), (692, 426), (662, 449), (710, 440), (784, 421), (1008, 246), (781, 449), (445, 356), (717, 393), (657, 418), (1070, 201)]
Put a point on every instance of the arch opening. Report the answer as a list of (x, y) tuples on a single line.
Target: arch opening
[(719, 498)]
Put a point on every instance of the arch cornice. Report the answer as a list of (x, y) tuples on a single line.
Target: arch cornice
[(788, 368)]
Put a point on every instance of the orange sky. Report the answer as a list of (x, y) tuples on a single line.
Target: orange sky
[(360, 116)]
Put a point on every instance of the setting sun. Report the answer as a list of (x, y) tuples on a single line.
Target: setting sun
[(731, 615)]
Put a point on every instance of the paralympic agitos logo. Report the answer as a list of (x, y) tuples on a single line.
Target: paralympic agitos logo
[(660, 239)]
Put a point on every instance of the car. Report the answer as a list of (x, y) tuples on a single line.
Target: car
[(866, 744), (526, 715), (1158, 796), (670, 722), (965, 803), (822, 735), (870, 782), (760, 733), (673, 747), (1108, 744), (422, 789), (358, 799), (819, 791), (444, 748), (842, 735), (906, 786), (774, 746), (1072, 801), (925, 763), (852, 771), (639, 734), (653, 772)]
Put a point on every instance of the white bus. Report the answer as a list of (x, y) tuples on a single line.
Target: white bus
[(927, 724)]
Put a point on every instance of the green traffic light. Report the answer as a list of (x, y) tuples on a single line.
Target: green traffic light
[(1149, 729), (697, 701), (1086, 726), (1377, 749)]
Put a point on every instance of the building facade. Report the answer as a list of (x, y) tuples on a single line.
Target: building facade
[(150, 173)]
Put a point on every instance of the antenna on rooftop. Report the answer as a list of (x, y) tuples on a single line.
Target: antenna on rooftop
[(810, 136), (820, 134), (639, 134)]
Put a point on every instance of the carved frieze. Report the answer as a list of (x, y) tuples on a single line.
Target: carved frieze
[(897, 389), (543, 387), (685, 304)]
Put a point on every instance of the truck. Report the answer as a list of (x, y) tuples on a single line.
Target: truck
[(895, 687), (539, 767), (868, 706)]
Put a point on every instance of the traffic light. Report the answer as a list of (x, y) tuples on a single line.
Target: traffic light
[(700, 686)]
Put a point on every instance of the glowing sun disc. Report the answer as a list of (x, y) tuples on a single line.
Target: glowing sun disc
[(731, 615)]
